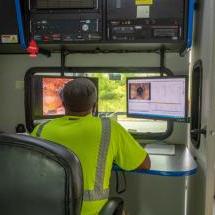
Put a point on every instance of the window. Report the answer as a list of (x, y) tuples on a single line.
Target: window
[(112, 97)]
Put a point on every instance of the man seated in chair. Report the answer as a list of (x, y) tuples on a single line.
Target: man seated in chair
[(97, 142)]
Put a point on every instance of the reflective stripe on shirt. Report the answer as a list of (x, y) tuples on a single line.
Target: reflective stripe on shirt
[(40, 128), (99, 193)]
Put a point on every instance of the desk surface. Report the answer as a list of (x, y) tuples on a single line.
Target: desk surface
[(180, 164)]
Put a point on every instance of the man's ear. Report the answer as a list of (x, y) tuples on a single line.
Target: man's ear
[(94, 108), (64, 106), (66, 110)]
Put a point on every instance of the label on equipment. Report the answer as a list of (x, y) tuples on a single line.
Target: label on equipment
[(142, 2), (143, 11), (9, 38)]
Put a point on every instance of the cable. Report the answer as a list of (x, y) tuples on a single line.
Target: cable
[(118, 190)]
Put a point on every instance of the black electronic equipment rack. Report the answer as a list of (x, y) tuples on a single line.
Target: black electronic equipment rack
[(106, 24), (8, 25), (14, 26), (68, 21), (147, 21)]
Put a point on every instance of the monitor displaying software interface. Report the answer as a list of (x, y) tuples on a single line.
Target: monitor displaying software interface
[(157, 98)]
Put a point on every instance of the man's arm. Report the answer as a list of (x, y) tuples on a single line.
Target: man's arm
[(146, 164), (130, 155)]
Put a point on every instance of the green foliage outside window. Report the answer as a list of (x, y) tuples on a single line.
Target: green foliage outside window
[(112, 93)]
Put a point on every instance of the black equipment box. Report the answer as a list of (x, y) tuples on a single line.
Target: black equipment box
[(150, 21), (64, 4), (57, 21), (8, 23)]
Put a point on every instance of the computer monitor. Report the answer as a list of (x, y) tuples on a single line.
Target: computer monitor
[(45, 99), (157, 98)]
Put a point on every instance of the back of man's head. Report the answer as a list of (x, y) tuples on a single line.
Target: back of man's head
[(79, 95)]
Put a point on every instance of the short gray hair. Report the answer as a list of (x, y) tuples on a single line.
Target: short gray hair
[(79, 95)]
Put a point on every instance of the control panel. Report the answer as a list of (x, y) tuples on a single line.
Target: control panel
[(149, 30), (55, 28)]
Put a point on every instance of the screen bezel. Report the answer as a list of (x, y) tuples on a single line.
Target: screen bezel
[(184, 119)]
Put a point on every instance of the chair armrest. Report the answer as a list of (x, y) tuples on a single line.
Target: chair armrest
[(113, 207)]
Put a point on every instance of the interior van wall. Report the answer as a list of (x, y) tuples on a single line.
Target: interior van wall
[(14, 67), (203, 49)]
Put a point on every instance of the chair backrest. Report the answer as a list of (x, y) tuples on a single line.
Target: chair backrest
[(38, 177)]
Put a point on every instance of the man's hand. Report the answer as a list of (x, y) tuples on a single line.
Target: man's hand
[(146, 164)]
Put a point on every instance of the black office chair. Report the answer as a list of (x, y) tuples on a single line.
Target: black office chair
[(39, 177)]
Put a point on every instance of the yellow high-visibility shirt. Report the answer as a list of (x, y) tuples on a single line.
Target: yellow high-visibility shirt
[(83, 136)]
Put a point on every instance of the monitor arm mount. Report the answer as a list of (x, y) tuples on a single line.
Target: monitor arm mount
[(63, 54), (162, 60)]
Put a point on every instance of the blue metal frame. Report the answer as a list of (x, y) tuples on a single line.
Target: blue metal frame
[(190, 23), (22, 38)]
